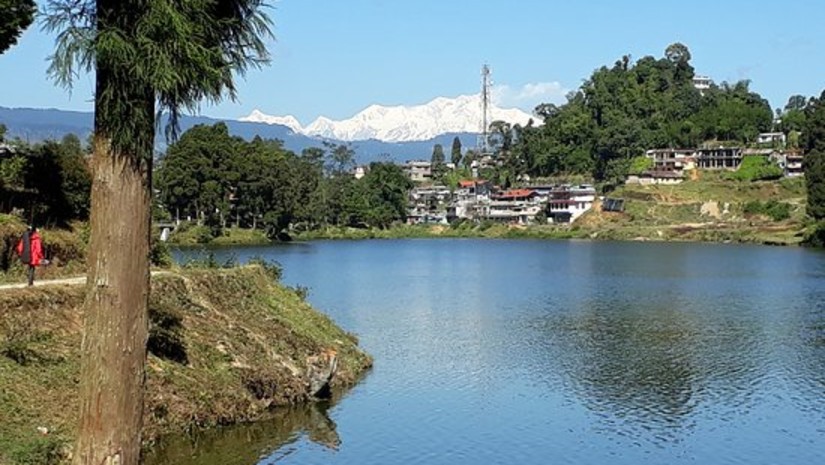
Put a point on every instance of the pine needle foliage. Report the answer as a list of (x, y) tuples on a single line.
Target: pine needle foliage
[(170, 54)]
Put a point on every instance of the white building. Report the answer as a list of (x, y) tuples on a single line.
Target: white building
[(568, 203), (518, 206), (656, 177), (360, 172), (702, 83), (777, 138)]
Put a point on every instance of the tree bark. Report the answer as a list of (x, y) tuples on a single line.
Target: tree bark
[(114, 341)]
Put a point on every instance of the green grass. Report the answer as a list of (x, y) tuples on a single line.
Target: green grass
[(192, 234), (711, 208), (247, 343)]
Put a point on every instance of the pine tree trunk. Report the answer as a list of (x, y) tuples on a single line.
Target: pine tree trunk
[(114, 342)]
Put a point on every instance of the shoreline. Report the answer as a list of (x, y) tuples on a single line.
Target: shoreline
[(788, 235), (200, 372)]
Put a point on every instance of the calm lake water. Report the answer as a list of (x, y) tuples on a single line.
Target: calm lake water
[(537, 352)]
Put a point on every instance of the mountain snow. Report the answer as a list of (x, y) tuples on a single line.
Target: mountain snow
[(399, 123), (289, 121)]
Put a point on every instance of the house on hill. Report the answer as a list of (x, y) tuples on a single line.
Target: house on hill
[(776, 139), (719, 158), (791, 162), (567, 203), (418, 170), (518, 206), (676, 160), (656, 177)]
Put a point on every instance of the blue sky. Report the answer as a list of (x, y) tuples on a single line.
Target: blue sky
[(336, 57)]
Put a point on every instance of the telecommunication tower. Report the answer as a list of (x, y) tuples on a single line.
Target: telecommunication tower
[(483, 142)]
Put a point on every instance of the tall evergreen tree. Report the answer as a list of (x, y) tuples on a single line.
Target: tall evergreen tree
[(437, 161), (455, 153), (815, 156), (149, 57)]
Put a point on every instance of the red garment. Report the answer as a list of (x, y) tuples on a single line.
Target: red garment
[(36, 248)]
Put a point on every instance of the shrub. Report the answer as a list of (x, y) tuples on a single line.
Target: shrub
[(209, 261), (272, 268), (757, 168), (166, 335), (159, 254), (777, 211), (639, 165), (45, 450), (815, 236)]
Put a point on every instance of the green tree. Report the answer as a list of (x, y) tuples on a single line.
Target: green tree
[(624, 109), (455, 152), (15, 17), (341, 157), (815, 157), (437, 162), (385, 188), (792, 117), (796, 102), (677, 53), (149, 57), (59, 173), (199, 174)]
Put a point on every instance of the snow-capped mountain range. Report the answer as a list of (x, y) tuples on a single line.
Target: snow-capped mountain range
[(399, 123)]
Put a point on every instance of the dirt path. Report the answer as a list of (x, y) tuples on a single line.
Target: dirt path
[(46, 282), (76, 281)]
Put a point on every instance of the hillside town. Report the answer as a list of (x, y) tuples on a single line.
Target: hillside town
[(532, 203)]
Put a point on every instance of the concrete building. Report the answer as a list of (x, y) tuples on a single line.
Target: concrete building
[(519, 206), (676, 160), (6, 150), (567, 203), (418, 170), (776, 139), (702, 83), (359, 172), (791, 162), (656, 177), (728, 158)]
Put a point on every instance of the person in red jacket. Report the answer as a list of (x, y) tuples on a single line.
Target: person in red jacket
[(30, 251)]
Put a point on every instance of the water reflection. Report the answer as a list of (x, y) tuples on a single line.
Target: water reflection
[(535, 352), (691, 341), (249, 444)]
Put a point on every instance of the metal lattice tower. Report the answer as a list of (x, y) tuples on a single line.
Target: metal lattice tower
[(483, 142)]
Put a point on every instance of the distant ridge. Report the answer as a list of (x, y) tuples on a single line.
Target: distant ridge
[(37, 124)]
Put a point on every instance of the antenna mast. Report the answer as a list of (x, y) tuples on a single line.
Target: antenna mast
[(485, 108)]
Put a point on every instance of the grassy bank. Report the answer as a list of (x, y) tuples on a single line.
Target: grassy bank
[(227, 346), (191, 234), (711, 208)]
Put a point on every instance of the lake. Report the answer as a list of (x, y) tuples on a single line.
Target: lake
[(536, 352)]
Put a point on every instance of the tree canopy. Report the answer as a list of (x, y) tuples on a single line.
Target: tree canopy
[(49, 181), (219, 179), (814, 134), (625, 109), (15, 17)]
